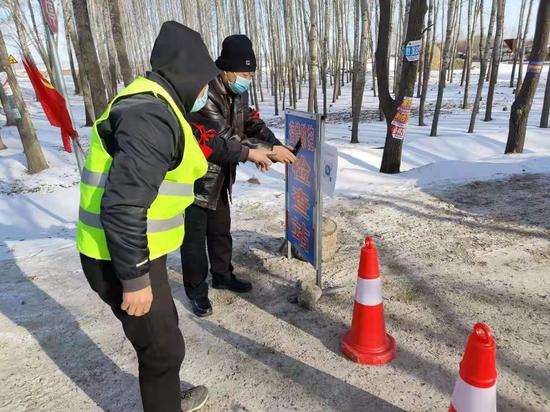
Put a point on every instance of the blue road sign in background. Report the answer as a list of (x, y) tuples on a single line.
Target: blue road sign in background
[(301, 199), (412, 50)]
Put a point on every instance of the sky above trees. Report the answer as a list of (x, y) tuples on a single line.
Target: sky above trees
[(510, 27)]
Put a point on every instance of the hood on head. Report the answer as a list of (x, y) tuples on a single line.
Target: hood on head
[(181, 58)]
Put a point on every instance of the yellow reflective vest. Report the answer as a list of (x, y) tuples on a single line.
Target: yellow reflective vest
[(165, 217)]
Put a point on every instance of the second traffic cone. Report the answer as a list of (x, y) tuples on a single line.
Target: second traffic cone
[(367, 342), (476, 385)]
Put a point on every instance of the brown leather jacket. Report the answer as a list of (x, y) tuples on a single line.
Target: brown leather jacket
[(227, 116)]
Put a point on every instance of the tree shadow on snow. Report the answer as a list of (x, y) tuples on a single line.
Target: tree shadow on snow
[(271, 293), (508, 200), (431, 212), (340, 395), (453, 332), (58, 333), (357, 162)]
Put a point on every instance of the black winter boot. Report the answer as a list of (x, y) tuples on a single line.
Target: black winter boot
[(201, 307), (233, 283)]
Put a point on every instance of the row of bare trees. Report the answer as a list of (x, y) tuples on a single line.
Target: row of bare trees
[(302, 47)]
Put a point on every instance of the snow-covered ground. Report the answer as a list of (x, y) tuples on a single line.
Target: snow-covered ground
[(38, 210), (463, 234)]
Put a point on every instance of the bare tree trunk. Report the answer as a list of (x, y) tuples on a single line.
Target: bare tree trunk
[(497, 45), (519, 115), (90, 61), (391, 159), (113, 75), (423, 58), (469, 55), (401, 41), (290, 62), (2, 144), (489, 70), (345, 48), (313, 57), (17, 16), (74, 75), (120, 43), (39, 46), (522, 46), (325, 57), (469, 45), (483, 62), (84, 84), (99, 31), (546, 104), (397, 45), (370, 43), (10, 118), (432, 20), (518, 37), (274, 46), (109, 48), (444, 68), (36, 162), (302, 38), (338, 53), (359, 74), (454, 43)]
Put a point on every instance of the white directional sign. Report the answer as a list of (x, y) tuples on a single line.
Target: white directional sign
[(329, 169)]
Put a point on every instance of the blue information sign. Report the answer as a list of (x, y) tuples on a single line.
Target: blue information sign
[(301, 219), (412, 50)]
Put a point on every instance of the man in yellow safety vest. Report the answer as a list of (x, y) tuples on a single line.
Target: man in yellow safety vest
[(137, 181)]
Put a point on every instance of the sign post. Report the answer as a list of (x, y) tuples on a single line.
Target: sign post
[(303, 187), (51, 27)]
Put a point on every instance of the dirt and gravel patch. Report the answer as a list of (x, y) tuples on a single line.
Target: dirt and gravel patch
[(450, 256)]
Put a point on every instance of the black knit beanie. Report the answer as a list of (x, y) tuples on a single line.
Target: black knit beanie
[(237, 54)]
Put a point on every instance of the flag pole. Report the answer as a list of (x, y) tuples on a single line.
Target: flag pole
[(52, 46)]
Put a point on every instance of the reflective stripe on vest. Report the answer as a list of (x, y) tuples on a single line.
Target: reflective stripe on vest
[(166, 188), (153, 225), (165, 215)]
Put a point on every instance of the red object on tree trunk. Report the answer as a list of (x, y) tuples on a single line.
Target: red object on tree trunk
[(53, 104), (255, 115), (50, 15)]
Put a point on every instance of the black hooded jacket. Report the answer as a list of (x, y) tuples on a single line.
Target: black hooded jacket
[(144, 138), (233, 121)]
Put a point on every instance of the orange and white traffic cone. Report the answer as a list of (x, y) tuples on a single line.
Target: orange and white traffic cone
[(476, 385), (367, 342)]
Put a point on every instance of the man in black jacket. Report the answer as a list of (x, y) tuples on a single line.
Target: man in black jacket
[(229, 117), (144, 139)]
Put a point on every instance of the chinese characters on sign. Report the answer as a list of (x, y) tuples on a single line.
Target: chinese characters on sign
[(301, 200), (412, 50), (401, 120), (50, 16)]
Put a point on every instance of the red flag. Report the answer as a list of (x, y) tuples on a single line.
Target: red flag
[(52, 102)]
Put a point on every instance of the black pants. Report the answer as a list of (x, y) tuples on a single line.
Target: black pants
[(206, 227), (156, 336)]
